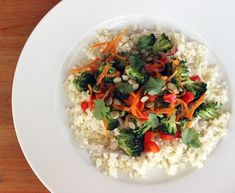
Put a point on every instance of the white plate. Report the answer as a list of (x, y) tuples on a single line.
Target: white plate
[(38, 104)]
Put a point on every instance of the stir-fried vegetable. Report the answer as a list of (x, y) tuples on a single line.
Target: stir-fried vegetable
[(145, 93)]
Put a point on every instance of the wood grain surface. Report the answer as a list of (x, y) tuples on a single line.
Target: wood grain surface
[(17, 20)]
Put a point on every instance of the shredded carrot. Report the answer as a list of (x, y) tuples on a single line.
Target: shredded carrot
[(184, 105), (109, 91), (164, 77), (115, 74), (195, 106), (103, 74), (136, 100), (168, 111), (111, 46), (105, 123), (89, 67), (98, 44), (121, 57), (121, 107), (189, 124)]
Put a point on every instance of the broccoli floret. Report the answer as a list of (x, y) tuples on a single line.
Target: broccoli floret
[(183, 123), (81, 82), (168, 125), (163, 44), (112, 123), (131, 143), (208, 111), (146, 42), (197, 88), (139, 77), (122, 90)]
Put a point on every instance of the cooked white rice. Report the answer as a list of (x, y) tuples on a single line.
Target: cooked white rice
[(173, 155)]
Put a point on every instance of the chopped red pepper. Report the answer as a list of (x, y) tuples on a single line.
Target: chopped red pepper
[(151, 98), (154, 67), (84, 105), (188, 97), (170, 98), (151, 147), (196, 78), (148, 136)]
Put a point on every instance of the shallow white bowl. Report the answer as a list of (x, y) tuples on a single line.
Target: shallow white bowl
[(39, 104)]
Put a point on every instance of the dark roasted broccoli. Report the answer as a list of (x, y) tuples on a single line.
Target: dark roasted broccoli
[(183, 73), (119, 65), (168, 70), (139, 77), (208, 110), (81, 82), (196, 87), (146, 42), (163, 44), (130, 142), (112, 123), (168, 125), (122, 90)]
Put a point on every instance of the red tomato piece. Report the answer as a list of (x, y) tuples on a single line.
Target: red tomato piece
[(148, 136), (188, 97), (167, 137), (170, 98), (152, 98), (195, 78), (84, 105), (151, 147)]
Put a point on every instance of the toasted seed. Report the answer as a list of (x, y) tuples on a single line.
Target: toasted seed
[(132, 82), (109, 101), (144, 99), (131, 125), (149, 58), (120, 122), (125, 77), (114, 114), (122, 113), (149, 104), (96, 89), (117, 102), (135, 86), (117, 79), (172, 87)]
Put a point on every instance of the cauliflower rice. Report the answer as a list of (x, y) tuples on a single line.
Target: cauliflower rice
[(173, 155)]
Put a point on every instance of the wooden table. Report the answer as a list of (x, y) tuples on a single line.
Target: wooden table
[(17, 20)]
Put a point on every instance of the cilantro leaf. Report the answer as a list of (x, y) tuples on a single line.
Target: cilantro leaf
[(154, 86), (190, 137), (100, 110), (146, 41), (136, 62), (153, 120), (124, 87)]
